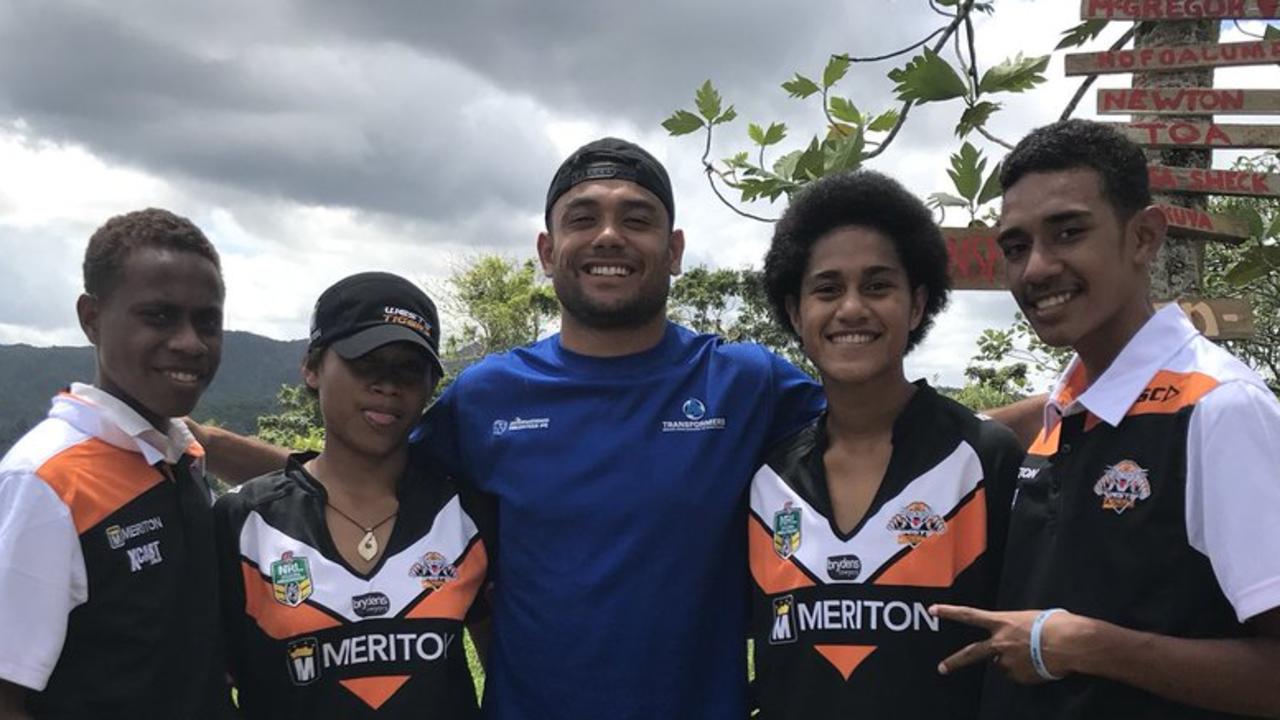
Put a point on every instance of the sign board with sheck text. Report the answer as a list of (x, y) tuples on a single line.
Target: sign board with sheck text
[(1181, 133), (1173, 57), (1179, 9), (1187, 101), (1208, 181)]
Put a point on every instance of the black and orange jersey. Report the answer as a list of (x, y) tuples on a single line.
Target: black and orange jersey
[(1149, 501), (310, 637), (840, 622), (108, 592)]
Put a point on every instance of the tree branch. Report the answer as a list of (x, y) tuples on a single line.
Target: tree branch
[(906, 106), (1088, 82), (895, 53), (983, 132), (710, 171)]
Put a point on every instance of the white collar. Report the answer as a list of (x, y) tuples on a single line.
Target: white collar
[(114, 422), (1111, 395)]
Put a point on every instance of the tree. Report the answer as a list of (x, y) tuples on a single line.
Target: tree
[(500, 304), (298, 425)]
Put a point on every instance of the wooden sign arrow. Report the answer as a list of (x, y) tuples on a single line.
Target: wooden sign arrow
[(1218, 318), (1178, 9), (1213, 182), (1200, 225), (976, 260), (1187, 101), (1173, 57), (1178, 133)]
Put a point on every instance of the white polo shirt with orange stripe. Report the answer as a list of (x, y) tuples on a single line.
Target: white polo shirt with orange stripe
[(1150, 500), (104, 525), (840, 620), (311, 637)]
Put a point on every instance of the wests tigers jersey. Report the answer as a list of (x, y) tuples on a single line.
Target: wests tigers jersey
[(840, 621), (310, 637)]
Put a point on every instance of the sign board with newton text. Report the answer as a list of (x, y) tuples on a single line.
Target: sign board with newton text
[(1187, 101)]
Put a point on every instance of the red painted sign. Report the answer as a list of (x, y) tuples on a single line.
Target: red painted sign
[(1194, 222), (1215, 182), (1173, 57), (1173, 133), (976, 260), (1178, 9), (1157, 101)]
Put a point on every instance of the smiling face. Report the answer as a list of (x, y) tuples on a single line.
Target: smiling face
[(371, 403), (856, 307), (158, 332), (610, 254), (1076, 268)]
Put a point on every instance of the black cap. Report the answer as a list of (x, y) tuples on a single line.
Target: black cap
[(612, 159), (365, 311)]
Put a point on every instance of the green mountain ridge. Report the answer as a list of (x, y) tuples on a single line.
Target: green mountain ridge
[(252, 371)]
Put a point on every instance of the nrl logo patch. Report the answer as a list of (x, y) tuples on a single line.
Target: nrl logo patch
[(786, 530), (915, 523), (1122, 485), (433, 570), (291, 579)]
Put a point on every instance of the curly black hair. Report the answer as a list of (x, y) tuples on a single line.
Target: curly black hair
[(863, 198), (1071, 144), (111, 244)]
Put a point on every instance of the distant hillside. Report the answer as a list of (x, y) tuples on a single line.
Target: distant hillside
[(253, 369)]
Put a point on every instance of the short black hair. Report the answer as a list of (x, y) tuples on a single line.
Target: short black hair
[(1076, 144), (111, 244), (862, 198)]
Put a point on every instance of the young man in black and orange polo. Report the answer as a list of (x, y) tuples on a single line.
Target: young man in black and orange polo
[(108, 594), (1142, 578)]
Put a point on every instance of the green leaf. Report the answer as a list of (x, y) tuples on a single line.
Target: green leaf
[(738, 161), (726, 116), (839, 130), (927, 78), (940, 199), (845, 153), (975, 116), (884, 122), (1015, 74), (810, 166), (1257, 226), (837, 66), (708, 101), (844, 109), (800, 87), (1081, 34), (1257, 262), (1271, 33), (785, 166), (966, 171), (991, 189), (756, 133), (775, 133), (682, 122)]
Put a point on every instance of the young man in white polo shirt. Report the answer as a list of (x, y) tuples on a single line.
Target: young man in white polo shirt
[(1142, 577)]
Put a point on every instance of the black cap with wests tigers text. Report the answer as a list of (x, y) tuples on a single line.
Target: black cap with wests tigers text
[(365, 311), (612, 159)]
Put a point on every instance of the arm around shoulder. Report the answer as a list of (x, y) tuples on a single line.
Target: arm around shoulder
[(236, 458), (13, 702)]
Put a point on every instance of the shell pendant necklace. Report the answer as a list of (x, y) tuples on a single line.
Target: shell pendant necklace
[(367, 548)]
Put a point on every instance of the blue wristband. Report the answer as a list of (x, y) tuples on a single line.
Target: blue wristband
[(1037, 655)]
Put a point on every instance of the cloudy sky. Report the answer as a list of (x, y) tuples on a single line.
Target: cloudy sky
[(315, 138)]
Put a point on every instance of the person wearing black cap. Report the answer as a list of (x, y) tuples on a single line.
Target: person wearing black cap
[(349, 574)]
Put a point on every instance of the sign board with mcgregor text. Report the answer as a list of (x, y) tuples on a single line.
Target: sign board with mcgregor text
[(1179, 9)]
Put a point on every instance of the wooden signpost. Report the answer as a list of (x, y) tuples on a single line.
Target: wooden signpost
[(1181, 133), (1213, 182), (978, 264), (1179, 9), (1196, 223), (1187, 101), (1174, 57)]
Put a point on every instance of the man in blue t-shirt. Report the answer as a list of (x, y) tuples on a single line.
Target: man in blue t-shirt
[(618, 452)]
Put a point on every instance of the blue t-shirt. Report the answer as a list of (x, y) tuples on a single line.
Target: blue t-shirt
[(621, 565)]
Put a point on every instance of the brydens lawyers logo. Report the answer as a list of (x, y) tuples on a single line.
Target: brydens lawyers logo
[(1122, 485), (695, 418), (844, 567), (915, 523), (372, 604)]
